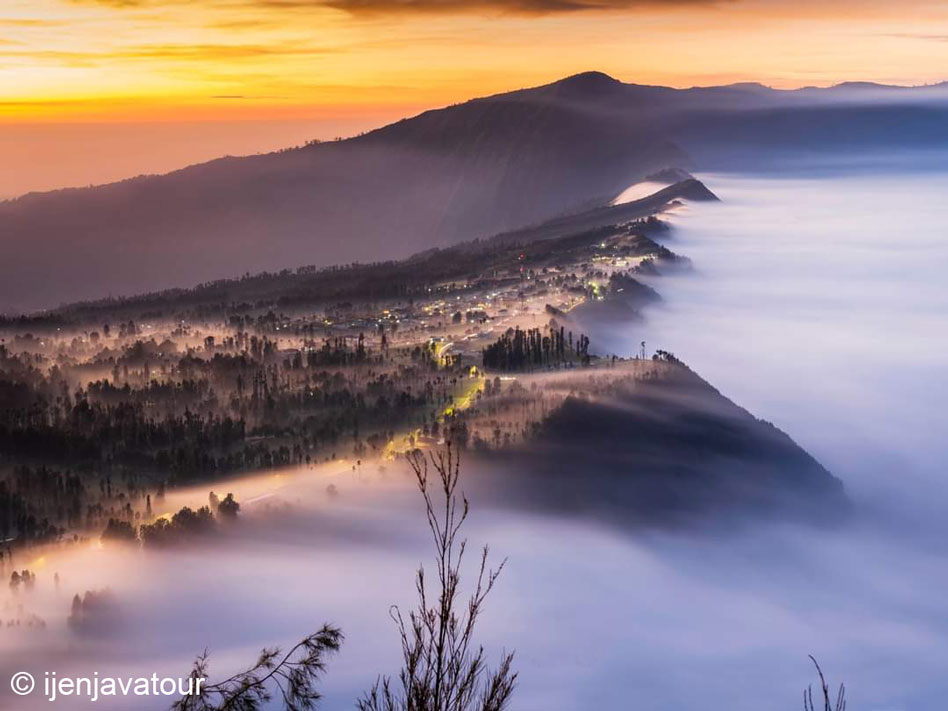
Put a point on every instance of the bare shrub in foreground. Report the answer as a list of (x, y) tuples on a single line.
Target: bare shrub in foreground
[(840, 704), (443, 669)]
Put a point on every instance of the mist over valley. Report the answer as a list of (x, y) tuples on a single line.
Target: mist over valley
[(688, 344)]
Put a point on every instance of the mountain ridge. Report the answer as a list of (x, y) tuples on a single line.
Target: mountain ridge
[(489, 165), (592, 77)]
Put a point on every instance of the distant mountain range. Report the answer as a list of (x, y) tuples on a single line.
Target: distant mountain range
[(487, 166)]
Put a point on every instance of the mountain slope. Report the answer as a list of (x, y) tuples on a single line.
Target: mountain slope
[(487, 166), (462, 172), (687, 189), (660, 450)]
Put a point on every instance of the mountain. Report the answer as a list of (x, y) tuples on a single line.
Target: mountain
[(665, 449), (308, 287), (490, 165), (444, 176), (688, 189)]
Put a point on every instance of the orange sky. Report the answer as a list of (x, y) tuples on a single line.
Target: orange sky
[(70, 68)]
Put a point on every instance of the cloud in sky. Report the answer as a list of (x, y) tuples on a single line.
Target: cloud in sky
[(134, 57), (165, 52), (531, 7), (396, 7), (930, 37)]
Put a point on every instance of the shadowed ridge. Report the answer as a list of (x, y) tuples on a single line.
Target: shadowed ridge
[(687, 189), (665, 450)]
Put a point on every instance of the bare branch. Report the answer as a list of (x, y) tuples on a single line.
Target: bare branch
[(442, 670), (808, 704)]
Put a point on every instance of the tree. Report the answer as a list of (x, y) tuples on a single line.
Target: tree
[(95, 612), (292, 675), (228, 507), (442, 669), (840, 704), (183, 526), (118, 530)]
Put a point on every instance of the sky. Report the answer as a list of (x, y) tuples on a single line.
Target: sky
[(95, 90)]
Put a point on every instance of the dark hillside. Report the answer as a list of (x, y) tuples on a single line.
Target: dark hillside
[(667, 449), (445, 176)]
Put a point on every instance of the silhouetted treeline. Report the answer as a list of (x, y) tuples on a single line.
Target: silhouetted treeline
[(526, 350), (37, 503), (154, 416), (180, 528)]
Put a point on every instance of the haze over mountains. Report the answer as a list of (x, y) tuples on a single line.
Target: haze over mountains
[(486, 166)]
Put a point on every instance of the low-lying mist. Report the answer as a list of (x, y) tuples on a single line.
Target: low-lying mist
[(600, 618), (818, 304)]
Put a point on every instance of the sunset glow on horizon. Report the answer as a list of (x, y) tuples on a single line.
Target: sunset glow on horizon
[(348, 65), (166, 59)]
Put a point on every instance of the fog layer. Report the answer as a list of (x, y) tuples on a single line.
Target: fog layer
[(816, 303), (820, 304)]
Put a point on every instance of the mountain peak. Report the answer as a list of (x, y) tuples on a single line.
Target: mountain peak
[(586, 84), (749, 86), (590, 77), (864, 85)]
